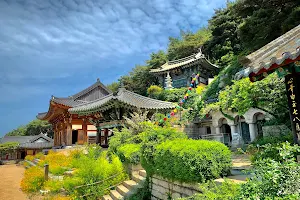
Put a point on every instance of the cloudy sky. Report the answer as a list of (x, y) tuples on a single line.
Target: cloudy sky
[(58, 47)]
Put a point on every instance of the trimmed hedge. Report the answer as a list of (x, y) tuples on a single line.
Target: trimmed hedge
[(130, 153), (189, 160)]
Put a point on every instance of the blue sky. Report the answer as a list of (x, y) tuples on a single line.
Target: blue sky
[(58, 47)]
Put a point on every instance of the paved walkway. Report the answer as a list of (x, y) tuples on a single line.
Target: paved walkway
[(10, 179)]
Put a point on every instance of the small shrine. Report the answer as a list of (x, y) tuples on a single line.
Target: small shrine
[(178, 73)]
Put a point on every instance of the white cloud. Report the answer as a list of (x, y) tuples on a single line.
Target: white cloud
[(51, 39)]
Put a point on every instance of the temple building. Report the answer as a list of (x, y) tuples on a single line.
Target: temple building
[(27, 145), (178, 73), (90, 115)]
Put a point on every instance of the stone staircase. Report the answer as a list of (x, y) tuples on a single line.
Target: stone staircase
[(127, 188)]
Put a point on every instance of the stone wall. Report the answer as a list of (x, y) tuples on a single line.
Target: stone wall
[(162, 189)]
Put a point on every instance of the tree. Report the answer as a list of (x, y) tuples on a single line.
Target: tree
[(187, 44), (34, 127), (157, 59), (114, 86), (224, 42), (265, 20), (139, 79)]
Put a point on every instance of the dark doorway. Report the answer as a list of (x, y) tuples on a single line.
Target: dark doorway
[(245, 132), (74, 136), (225, 129), (23, 155)]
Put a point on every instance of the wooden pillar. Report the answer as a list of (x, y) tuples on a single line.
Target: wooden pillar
[(106, 136), (69, 133), (84, 128)]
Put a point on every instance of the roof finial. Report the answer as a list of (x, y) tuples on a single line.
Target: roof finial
[(98, 79)]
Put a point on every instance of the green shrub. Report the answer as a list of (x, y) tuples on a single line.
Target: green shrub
[(40, 155), (54, 186), (153, 136), (277, 152), (273, 180), (154, 91), (211, 191), (91, 169), (130, 153), (273, 139), (192, 160)]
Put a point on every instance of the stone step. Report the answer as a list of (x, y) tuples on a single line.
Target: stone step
[(106, 197), (143, 173), (124, 191), (130, 185), (116, 195), (138, 178)]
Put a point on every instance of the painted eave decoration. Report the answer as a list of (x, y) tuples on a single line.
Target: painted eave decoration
[(276, 54)]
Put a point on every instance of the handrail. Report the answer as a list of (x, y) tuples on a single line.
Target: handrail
[(95, 183)]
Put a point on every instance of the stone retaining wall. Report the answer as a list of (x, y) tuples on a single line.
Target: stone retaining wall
[(161, 189)]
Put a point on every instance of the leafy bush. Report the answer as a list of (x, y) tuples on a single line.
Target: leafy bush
[(151, 137), (29, 158), (58, 162), (273, 139), (273, 180), (89, 170), (154, 91), (211, 191), (54, 186), (277, 152), (192, 160), (130, 153), (40, 155), (33, 180)]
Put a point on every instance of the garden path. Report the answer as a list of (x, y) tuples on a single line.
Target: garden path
[(10, 179)]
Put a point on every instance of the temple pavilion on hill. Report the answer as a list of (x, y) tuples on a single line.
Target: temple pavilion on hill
[(178, 73), (89, 116)]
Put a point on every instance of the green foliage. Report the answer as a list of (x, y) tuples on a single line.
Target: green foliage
[(211, 191), (278, 152), (173, 95), (273, 18), (157, 59), (273, 139), (224, 41), (8, 146), (130, 153), (273, 180), (33, 180), (192, 160), (187, 44), (54, 186), (34, 127), (114, 86), (154, 91), (139, 79)]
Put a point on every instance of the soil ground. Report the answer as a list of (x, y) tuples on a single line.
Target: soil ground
[(10, 179)]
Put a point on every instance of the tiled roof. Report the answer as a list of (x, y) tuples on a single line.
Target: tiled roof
[(185, 62), (19, 139), (94, 92), (25, 139), (284, 49), (38, 145), (123, 96)]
